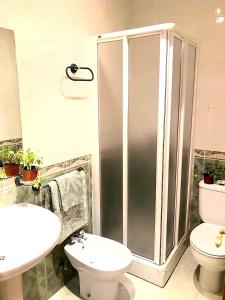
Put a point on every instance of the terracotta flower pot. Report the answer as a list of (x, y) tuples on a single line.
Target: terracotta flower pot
[(12, 169), (29, 175), (208, 179)]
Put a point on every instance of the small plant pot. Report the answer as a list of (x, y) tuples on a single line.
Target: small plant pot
[(208, 179), (12, 169), (29, 175)]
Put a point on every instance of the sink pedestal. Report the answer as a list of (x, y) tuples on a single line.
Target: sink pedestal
[(11, 289)]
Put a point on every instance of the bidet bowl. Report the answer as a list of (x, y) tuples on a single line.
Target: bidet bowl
[(103, 258)]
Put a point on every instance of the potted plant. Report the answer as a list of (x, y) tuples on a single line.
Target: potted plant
[(10, 161), (30, 163), (213, 171)]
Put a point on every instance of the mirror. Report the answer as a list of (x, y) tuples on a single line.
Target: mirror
[(10, 129)]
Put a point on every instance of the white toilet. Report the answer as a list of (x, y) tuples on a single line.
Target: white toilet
[(100, 262), (210, 257)]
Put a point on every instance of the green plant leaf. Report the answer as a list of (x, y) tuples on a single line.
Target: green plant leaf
[(216, 169), (29, 159)]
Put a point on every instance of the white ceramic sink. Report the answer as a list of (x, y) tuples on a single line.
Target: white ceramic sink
[(27, 234)]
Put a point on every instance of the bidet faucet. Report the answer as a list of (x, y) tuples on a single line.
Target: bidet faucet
[(78, 238), (81, 235)]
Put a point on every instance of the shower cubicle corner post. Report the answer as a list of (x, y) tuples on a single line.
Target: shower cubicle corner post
[(125, 137), (180, 146), (159, 210), (96, 179), (166, 153)]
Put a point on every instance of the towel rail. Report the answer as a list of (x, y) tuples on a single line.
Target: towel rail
[(74, 68)]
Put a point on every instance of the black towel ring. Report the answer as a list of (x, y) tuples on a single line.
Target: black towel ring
[(73, 69)]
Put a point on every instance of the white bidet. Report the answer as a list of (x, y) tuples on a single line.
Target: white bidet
[(100, 262)]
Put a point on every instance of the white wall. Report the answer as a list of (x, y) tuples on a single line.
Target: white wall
[(56, 113), (197, 18)]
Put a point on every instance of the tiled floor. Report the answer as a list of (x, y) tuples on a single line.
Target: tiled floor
[(180, 286)]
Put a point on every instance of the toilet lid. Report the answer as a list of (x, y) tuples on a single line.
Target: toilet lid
[(203, 237)]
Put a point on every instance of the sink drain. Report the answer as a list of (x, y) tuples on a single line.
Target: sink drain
[(2, 257)]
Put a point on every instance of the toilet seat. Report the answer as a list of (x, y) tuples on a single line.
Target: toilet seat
[(203, 239)]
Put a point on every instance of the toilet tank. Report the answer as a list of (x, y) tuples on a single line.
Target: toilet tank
[(212, 203)]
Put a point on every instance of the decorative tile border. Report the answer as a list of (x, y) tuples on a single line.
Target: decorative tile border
[(13, 142), (217, 155), (199, 153), (65, 166)]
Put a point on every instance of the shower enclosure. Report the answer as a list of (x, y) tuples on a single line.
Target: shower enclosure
[(145, 103)]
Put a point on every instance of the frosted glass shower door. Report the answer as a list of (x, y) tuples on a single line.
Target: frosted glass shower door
[(110, 86), (143, 90)]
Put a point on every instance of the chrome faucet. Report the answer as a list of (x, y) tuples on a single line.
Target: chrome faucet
[(78, 238)]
